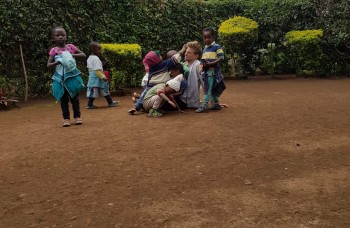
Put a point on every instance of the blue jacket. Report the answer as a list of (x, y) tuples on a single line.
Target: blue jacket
[(66, 76)]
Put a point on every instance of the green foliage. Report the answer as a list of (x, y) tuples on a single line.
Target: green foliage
[(237, 36), (126, 64), (334, 18), (272, 58), (304, 37), (236, 32), (158, 24), (277, 17), (306, 51), (162, 25)]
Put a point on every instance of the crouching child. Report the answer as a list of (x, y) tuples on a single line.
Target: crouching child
[(159, 94)]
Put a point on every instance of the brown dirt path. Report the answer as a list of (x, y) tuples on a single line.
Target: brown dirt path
[(278, 156)]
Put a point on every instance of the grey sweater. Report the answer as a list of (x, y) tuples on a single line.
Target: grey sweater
[(191, 95)]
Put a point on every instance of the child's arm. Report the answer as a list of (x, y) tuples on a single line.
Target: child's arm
[(220, 57), (178, 93), (210, 64), (95, 64), (101, 75), (164, 97), (51, 62), (183, 50), (79, 54)]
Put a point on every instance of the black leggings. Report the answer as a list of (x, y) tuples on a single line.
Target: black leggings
[(108, 99), (65, 107)]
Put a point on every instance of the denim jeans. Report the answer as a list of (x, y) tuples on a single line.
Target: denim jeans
[(138, 104), (208, 95)]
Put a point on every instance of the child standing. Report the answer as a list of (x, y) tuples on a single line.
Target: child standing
[(98, 82), (211, 72), (67, 81), (159, 94)]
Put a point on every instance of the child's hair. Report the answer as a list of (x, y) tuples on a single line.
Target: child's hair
[(178, 67), (209, 29), (54, 29), (195, 46), (170, 53), (92, 45)]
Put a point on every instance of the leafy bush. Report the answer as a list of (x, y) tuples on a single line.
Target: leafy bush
[(237, 36), (333, 17), (162, 25), (277, 17), (306, 51), (236, 32), (272, 58), (126, 67)]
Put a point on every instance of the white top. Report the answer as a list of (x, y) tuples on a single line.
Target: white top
[(94, 63)]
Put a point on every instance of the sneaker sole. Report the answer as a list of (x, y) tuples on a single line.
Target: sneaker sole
[(131, 112)]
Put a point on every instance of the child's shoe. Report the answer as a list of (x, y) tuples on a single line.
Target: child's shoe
[(66, 123), (132, 111), (78, 121), (156, 113), (150, 112), (216, 106), (113, 104), (91, 107), (136, 95), (200, 110)]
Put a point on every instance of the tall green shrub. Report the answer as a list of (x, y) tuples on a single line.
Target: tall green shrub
[(334, 18), (306, 51), (237, 32), (235, 35), (125, 61)]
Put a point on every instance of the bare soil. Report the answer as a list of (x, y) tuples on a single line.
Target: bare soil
[(278, 156)]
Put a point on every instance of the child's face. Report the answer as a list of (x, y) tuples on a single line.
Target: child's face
[(208, 38), (174, 73), (59, 36), (168, 90), (96, 50)]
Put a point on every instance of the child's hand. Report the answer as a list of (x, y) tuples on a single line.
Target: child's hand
[(172, 103), (201, 67), (105, 78), (183, 50)]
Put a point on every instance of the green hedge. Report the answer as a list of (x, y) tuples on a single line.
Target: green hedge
[(124, 60), (155, 24), (306, 51), (236, 32)]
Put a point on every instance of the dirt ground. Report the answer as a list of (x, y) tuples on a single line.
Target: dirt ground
[(278, 156)]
